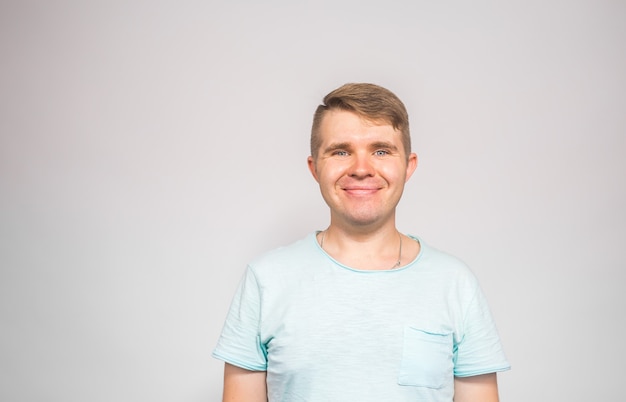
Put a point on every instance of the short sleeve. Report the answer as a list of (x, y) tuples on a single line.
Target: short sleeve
[(239, 343), (479, 350)]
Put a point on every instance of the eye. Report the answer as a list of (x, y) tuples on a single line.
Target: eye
[(381, 152), (340, 153)]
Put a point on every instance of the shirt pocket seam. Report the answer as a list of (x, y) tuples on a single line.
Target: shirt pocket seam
[(426, 358)]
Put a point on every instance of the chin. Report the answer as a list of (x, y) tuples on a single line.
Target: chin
[(362, 221)]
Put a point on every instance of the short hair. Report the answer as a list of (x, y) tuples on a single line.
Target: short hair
[(371, 102)]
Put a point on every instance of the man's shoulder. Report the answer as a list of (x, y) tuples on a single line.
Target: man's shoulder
[(442, 261), (285, 256)]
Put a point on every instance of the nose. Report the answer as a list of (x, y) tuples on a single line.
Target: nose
[(361, 166)]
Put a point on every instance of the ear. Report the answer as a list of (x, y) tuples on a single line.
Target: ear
[(312, 168), (411, 166)]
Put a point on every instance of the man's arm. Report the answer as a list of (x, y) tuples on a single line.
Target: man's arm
[(241, 385), (480, 388)]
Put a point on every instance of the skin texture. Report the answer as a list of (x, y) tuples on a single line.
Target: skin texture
[(242, 385), (480, 388), (361, 168)]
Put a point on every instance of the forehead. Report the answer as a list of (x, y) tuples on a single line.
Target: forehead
[(345, 125)]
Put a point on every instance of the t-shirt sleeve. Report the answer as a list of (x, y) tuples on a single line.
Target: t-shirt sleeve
[(479, 351), (239, 343)]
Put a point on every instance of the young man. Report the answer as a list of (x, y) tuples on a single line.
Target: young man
[(360, 311)]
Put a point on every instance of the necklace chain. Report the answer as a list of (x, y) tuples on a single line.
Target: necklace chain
[(396, 265)]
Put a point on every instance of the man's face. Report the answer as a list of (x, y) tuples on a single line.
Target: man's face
[(361, 168)]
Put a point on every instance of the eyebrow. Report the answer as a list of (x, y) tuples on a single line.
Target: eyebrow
[(384, 144), (336, 146)]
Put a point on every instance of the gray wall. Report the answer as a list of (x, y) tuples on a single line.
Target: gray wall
[(149, 149)]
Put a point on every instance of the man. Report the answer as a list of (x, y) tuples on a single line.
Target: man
[(359, 311)]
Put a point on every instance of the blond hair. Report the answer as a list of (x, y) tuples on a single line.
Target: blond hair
[(371, 102)]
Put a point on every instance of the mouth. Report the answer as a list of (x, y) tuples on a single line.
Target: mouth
[(361, 191)]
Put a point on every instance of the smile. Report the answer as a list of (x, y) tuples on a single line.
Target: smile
[(360, 190)]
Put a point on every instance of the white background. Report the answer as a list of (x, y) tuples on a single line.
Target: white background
[(149, 149)]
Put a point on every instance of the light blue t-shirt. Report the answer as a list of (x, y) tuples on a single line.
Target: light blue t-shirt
[(326, 332)]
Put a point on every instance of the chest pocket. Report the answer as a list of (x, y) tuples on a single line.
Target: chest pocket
[(426, 359)]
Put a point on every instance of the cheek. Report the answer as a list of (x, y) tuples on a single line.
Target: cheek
[(330, 174), (393, 174)]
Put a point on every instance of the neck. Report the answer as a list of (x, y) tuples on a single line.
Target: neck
[(377, 250), (380, 227)]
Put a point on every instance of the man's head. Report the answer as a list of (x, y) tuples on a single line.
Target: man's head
[(371, 102), (361, 154)]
